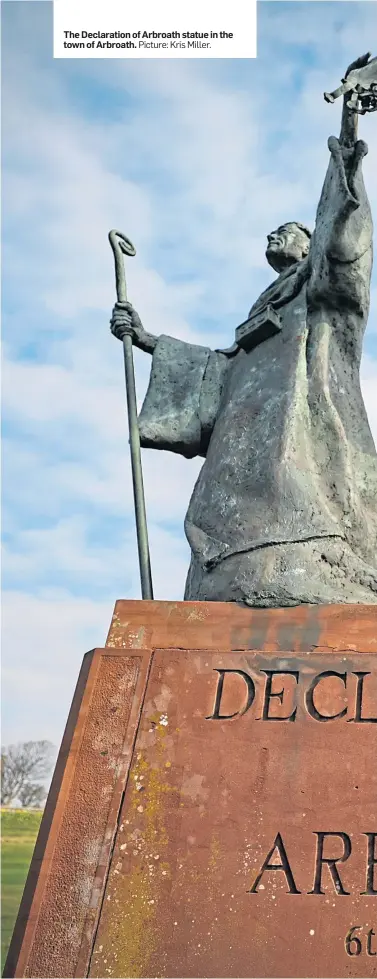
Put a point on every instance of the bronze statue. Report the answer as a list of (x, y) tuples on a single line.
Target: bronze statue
[(284, 511)]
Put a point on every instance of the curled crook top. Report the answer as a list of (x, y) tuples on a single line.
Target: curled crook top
[(121, 245), (119, 241)]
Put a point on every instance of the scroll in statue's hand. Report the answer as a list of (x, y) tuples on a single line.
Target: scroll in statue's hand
[(125, 321)]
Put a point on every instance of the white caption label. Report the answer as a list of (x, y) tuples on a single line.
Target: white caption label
[(115, 29)]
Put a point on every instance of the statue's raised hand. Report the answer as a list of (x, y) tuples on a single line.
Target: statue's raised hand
[(358, 86)]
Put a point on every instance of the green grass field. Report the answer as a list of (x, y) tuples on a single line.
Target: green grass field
[(19, 829)]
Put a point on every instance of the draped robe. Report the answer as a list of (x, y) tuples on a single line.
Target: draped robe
[(290, 465)]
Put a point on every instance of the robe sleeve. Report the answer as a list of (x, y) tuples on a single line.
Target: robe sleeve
[(183, 397), (340, 255)]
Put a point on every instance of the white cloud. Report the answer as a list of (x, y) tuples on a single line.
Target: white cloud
[(49, 635)]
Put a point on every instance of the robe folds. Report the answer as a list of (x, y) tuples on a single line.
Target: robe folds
[(289, 455)]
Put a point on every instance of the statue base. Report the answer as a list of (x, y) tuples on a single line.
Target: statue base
[(213, 808)]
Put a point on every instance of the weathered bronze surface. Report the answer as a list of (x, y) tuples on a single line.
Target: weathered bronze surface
[(176, 873), (284, 510)]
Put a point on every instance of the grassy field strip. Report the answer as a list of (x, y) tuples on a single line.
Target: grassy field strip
[(19, 829)]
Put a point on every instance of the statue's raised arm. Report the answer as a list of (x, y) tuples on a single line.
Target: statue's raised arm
[(341, 247)]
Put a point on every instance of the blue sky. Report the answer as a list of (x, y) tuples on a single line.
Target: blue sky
[(196, 161)]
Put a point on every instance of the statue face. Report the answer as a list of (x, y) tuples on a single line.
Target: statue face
[(286, 246)]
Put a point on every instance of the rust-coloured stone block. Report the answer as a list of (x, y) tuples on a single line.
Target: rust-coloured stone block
[(58, 914), (213, 812)]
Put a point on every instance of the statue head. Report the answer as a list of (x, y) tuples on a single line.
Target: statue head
[(287, 245)]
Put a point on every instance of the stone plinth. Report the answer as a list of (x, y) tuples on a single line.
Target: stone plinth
[(214, 806)]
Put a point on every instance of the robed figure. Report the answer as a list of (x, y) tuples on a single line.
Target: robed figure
[(284, 510)]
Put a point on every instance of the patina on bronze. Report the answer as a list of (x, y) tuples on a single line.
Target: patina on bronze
[(284, 511), (258, 328)]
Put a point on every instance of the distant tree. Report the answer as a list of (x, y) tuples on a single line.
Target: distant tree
[(32, 796), (23, 767)]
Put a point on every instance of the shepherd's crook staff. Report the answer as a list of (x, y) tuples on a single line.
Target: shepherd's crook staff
[(122, 246)]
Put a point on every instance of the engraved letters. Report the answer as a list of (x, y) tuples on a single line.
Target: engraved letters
[(338, 847), (297, 694), (250, 696)]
